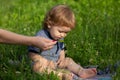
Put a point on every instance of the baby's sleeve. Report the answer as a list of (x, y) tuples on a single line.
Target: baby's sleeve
[(33, 49)]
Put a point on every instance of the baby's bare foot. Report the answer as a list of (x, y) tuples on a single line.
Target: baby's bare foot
[(87, 73)]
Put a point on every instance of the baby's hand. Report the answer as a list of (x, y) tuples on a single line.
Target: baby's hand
[(44, 62), (61, 63), (51, 64)]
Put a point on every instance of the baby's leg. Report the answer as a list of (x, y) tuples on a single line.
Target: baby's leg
[(38, 67), (60, 73), (77, 69), (72, 66), (41, 62), (35, 57)]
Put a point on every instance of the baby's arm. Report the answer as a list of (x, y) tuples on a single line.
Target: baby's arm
[(40, 62), (63, 62), (61, 57)]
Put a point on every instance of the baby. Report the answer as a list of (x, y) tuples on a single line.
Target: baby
[(57, 23)]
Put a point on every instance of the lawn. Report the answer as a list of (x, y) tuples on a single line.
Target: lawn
[(94, 41)]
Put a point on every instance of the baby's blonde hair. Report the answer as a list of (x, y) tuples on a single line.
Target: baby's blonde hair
[(60, 15)]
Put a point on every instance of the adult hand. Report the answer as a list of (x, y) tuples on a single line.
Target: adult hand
[(14, 38), (43, 43)]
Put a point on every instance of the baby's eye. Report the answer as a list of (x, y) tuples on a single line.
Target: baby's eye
[(66, 32), (61, 31)]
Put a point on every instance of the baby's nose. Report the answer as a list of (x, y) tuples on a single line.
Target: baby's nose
[(62, 35)]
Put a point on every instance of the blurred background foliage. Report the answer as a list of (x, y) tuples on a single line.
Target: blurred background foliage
[(94, 41)]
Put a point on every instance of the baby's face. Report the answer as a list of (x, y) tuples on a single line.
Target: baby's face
[(58, 32)]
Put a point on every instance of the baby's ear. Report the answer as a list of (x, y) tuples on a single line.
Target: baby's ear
[(49, 26)]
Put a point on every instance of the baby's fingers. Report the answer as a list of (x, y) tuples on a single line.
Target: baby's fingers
[(58, 62)]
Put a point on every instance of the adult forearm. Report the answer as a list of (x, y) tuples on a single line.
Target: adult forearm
[(13, 38), (37, 41)]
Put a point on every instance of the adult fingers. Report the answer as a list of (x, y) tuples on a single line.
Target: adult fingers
[(49, 45)]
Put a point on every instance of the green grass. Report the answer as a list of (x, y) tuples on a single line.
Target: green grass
[(94, 41)]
